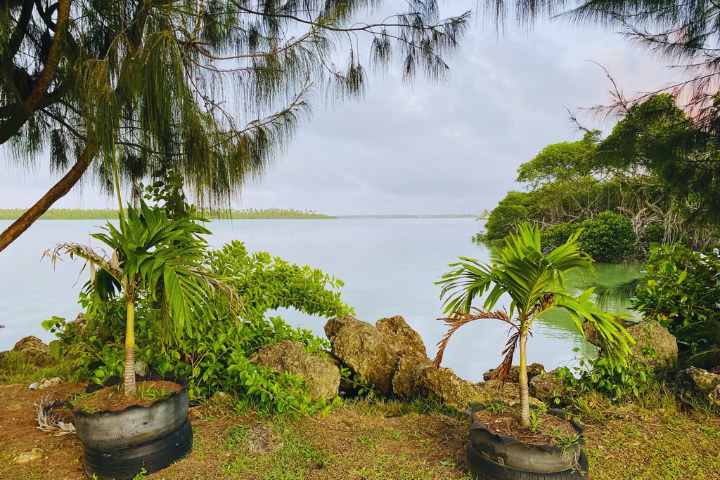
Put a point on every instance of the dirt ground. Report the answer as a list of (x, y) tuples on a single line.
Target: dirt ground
[(389, 440)]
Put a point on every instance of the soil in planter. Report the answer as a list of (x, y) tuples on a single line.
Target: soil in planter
[(113, 398), (550, 430)]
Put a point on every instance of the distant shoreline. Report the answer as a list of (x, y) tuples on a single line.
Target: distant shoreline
[(250, 214)]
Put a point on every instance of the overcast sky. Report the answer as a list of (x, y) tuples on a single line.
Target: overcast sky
[(452, 147)]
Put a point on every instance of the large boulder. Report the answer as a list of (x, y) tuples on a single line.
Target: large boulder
[(443, 384), (34, 350), (533, 370), (695, 384), (404, 340), (546, 388), (650, 336), (363, 349), (320, 375)]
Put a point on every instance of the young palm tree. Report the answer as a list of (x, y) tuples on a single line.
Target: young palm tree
[(152, 257), (535, 283)]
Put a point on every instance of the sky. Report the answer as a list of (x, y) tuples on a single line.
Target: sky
[(446, 148)]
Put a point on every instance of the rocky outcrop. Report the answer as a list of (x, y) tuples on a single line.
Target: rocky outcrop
[(533, 370), (695, 384), (650, 336), (404, 340), (34, 350), (443, 384), (653, 337), (320, 375), (362, 348), (546, 388)]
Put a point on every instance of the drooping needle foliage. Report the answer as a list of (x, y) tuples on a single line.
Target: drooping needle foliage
[(212, 89)]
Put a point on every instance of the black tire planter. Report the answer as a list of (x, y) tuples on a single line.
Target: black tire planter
[(120, 444), (497, 457), (484, 469), (109, 430), (126, 463)]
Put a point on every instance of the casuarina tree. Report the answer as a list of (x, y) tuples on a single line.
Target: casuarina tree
[(211, 89)]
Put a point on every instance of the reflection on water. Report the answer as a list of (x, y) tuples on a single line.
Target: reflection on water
[(389, 267)]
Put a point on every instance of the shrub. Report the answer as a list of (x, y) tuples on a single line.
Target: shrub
[(595, 375), (681, 290), (215, 355), (514, 209), (609, 237), (556, 235)]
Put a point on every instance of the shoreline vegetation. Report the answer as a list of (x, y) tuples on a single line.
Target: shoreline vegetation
[(111, 214), (245, 214)]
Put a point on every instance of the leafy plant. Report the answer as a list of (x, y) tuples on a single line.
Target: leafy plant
[(535, 420), (535, 282), (681, 290), (609, 237), (596, 375), (156, 259)]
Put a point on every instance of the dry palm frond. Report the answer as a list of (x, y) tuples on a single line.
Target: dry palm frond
[(461, 319), (49, 423), (112, 266)]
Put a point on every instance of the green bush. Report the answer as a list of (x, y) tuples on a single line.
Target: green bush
[(557, 235), (681, 290), (609, 237), (595, 375), (514, 209), (215, 355)]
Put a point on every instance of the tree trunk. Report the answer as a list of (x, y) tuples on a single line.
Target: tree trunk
[(130, 349), (524, 402), (58, 191)]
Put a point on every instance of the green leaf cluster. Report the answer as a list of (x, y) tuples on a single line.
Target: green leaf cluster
[(609, 237), (681, 290), (214, 354)]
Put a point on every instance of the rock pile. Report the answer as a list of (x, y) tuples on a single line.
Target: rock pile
[(321, 376), (650, 336)]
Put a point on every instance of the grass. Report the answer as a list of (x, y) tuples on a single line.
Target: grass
[(647, 439), (16, 368)]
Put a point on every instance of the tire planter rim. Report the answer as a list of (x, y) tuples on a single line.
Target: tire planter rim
[(513, 453), (133, 425), (483, 469)]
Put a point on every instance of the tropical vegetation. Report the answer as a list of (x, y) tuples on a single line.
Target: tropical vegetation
[(535, 282)]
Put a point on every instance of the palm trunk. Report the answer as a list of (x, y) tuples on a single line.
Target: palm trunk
[(524, 402), (130, 348)]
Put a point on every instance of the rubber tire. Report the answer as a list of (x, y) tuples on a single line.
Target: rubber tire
[(484, 469), (135, 425), (126, 463)]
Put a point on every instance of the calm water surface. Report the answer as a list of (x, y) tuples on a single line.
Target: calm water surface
[(389, 267)]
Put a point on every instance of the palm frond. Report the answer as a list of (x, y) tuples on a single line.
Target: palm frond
[(606, 295)]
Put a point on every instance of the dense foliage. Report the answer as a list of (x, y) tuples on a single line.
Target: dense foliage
[(608, 238), (214, 356), (576, 182), (681, 290)]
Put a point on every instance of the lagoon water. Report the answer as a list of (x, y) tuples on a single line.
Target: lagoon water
[(389, 267)]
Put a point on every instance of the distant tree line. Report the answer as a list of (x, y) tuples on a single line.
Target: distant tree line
[(109, 214)]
